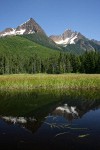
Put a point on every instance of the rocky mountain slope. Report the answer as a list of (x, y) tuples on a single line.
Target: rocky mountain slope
[(70, 41), (28, 27), (75, 40), (32, 31), (68, 37)]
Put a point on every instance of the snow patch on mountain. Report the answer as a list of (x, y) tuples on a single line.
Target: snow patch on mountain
[(67, 40), (68, 37), (28, 27), (20, 32), (30, 32), (10, 32), (72, 41), (13, 32)]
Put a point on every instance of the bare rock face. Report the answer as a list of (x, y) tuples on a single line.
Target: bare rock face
[(95, 41), (9, 29), (68, 37), (76, 38), (28, 27)]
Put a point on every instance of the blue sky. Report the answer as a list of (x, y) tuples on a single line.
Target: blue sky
[(54, 16)]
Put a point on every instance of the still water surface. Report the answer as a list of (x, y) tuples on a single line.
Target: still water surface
[(66, 122)]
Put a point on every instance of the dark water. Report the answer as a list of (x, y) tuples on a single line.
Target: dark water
[(49, 121)]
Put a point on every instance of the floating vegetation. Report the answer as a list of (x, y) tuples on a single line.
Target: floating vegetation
[(77, 128), (61, 134), (56, 125), (66, 126), (63, 126), (83, 135)]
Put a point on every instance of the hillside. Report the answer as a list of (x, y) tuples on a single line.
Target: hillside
[(24, 47), (20, 55), (41, 39)]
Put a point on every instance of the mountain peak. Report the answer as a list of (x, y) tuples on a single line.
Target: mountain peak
[(68, 37), (28, 27), (31, 19), (31, 27)]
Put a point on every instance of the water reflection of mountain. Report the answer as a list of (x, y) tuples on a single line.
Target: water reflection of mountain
[(32, 120), (69, 109), (19, 120), (76, 109), (29, 123), (66, 111)]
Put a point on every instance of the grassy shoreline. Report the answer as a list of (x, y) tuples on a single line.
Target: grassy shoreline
[(27, 82), (31, 95)]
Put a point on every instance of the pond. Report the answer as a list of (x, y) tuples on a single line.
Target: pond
[(50, 120)]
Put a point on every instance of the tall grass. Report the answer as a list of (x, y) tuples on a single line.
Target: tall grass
[(25, 94), (26, 82)]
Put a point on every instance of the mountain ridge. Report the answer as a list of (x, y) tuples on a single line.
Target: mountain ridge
[(69, 37), (31, 30), (68, 41), (28, 27)]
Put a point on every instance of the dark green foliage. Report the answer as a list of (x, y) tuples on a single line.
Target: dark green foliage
[(20, 55), (81, 46), (89, 62), (23, 47), (75, 62), (41, 39), (74, 49), (96, 46)]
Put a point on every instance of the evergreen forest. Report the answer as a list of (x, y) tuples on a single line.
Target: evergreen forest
[(21, 55)]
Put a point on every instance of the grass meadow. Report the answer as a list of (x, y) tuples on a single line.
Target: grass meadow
[(26, 82), (22, 94)]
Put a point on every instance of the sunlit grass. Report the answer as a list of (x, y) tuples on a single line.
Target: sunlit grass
[(25, 94), (44, 81)]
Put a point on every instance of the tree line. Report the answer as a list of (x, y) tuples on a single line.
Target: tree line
[(89, 62)]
